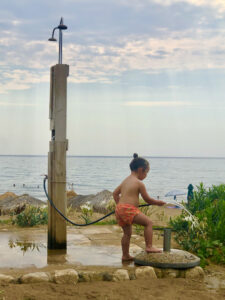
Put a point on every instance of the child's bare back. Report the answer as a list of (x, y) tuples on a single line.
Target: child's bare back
[(129, 191)]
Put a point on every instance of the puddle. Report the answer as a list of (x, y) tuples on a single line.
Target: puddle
[(24, 249)]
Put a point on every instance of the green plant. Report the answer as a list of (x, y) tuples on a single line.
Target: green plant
[(32, 216), (111, 205), (5, 222), (215, 215), (1, 295), (203, 198), (205, 238), (107, 222), (25, 245), (70, 210), (87, 212)]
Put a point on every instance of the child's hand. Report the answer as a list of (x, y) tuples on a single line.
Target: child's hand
[(160, 203)]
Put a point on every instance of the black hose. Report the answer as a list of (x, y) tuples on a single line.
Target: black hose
[(68, 220)]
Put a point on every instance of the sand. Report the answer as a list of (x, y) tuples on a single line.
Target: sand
[(212, 287), (170, 289)]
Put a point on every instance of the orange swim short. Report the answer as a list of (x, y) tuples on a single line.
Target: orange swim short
[(125, 213)]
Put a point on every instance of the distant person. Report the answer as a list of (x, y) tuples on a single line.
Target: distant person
[(126, 196)]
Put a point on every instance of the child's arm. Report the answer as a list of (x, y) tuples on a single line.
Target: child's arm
[(116, 194), (147, 198)]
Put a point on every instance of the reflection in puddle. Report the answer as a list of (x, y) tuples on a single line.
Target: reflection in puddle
[(25, 245), (56, 257), (21, 250)]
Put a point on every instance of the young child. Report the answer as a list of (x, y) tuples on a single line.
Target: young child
[(126, 196)]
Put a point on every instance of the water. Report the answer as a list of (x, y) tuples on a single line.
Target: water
[(194, 220), (26, 248), (90, 175)]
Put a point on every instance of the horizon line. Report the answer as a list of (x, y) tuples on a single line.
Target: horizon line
[(119, 156)]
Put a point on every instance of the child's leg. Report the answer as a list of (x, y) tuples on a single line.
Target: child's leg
[(125, 242), (142, 219)]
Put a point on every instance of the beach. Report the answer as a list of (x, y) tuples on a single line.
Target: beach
[(112, 114), (171, 289), (97, 248), (211, 287)]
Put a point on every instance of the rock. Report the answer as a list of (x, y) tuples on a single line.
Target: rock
[(181, 273), (69, 276), (120, 275), (215, 283), (7, 196), (70, 194), (222, 284), (79, 200), (196, 272), (87, 276), (27, 199), (15, 209), (145, 272), (98, 201), (132, 276), (134, 249), (4, 279), (11, 203), (107, 276), (158, 272), (101, 200), (35, 277), (170, 273)]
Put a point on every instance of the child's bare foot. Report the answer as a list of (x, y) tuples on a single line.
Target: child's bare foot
[(127, 258), (153, 250)]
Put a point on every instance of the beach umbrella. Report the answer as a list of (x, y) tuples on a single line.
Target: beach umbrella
[(175, 193), (190, 194)]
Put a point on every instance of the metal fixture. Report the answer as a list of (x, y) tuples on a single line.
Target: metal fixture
[(167, 239), (61, 27)]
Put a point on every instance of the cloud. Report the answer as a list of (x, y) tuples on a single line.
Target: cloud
[(217, 4), (103, 47), (18, 79), (27, 63), (175, 53)]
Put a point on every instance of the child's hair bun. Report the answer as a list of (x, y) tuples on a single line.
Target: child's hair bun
[(139, 162)]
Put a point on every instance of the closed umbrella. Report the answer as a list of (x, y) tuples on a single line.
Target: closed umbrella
[(175, 193)]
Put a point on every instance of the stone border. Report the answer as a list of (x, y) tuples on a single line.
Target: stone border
[(71, 276)]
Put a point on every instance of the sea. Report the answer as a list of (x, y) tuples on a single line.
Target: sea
[(93, 174)]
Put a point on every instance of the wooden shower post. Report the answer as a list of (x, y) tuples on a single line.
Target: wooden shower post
[(57, 156)]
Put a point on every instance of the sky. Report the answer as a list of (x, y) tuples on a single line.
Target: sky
[(146, 76)]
